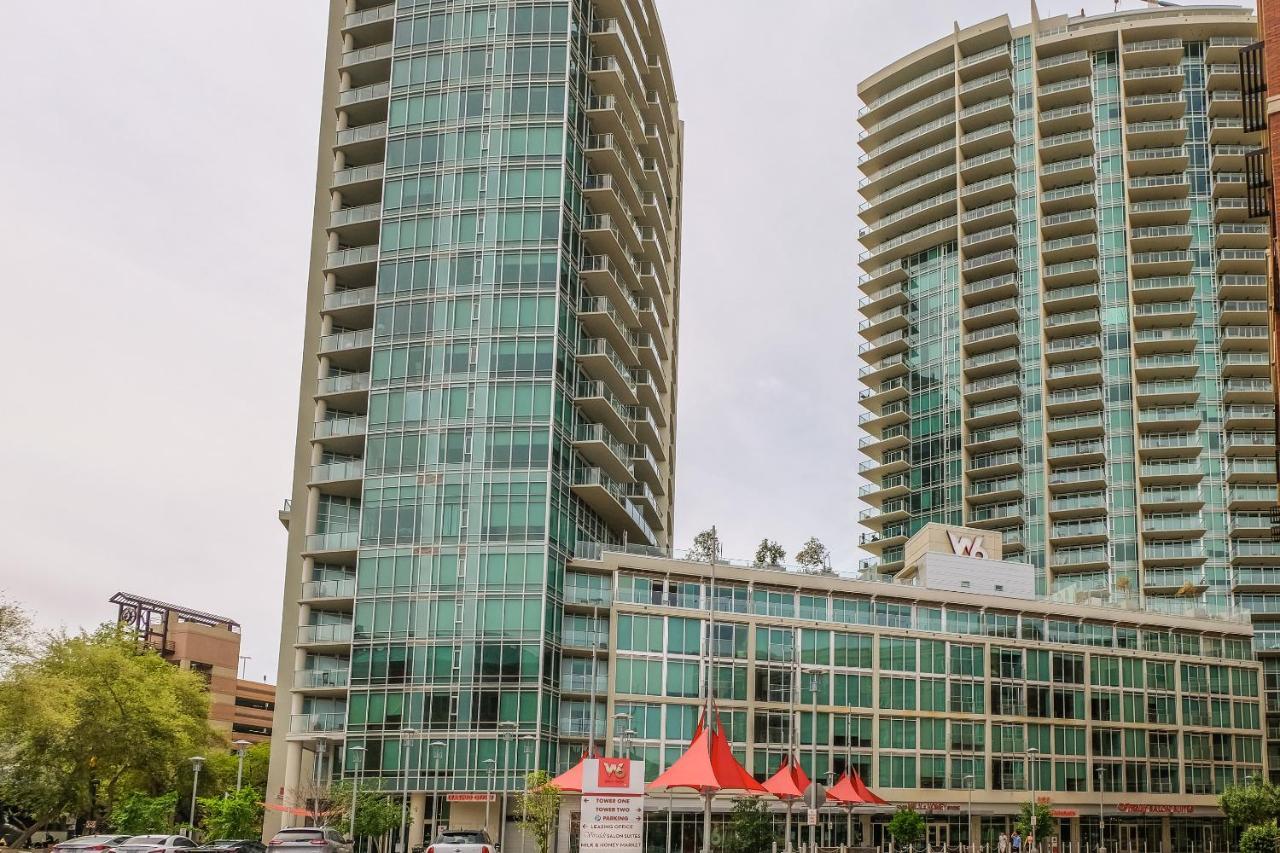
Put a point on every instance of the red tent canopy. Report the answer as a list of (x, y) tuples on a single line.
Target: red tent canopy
[(867, 795), (571, 779), (798, 774), (843, 791), (707, 767), (783, 784)]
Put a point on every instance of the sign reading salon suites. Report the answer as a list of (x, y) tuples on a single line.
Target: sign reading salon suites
[(612, 806)]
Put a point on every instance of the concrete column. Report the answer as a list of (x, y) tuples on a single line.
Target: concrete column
[(292, 771), (417, 820), (1166, 835)]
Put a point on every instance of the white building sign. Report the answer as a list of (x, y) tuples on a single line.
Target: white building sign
[(612, 806)]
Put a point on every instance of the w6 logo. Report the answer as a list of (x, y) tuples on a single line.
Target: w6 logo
[(615, 773), (967, 546)]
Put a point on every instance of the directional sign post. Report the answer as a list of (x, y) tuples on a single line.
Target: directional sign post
[(814, 797)]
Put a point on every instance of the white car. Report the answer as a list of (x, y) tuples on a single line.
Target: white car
[(154, 844), (461, 841)]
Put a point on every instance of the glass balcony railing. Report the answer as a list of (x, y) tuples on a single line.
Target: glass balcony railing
[(327, 722), (336, 633), (344, 588), (320, 678), (346, 540), (334, 471)]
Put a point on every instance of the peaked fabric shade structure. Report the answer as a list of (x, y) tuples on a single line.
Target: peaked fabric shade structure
[(867, 795), (784, 785), (571, 779), (707, 766), (843, 791)]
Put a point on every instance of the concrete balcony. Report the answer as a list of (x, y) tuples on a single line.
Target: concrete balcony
[(1154, 79), (1164, 419), (336, 636), (598, 446), (337, 548), (608, 498), (321, 682), (339, 478), (598, 358), (1163, 106), (1154, 187), (1074, 90), (1063, 66), (310, 724), (1152, 315)]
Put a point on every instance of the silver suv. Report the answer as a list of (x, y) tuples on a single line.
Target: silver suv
[(154, 844), (313, 839)]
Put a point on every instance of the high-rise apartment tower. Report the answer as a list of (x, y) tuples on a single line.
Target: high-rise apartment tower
[(1065, 302), (488, 376)]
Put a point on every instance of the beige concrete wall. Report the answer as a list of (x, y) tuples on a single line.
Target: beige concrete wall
[(283, 753)]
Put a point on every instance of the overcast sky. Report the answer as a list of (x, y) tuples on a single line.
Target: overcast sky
[(159, 160)]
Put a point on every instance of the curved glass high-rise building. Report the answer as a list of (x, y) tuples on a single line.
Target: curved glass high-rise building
[(1065, 310), (1065, 333), (488, 377)]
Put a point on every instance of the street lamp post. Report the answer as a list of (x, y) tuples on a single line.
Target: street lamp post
[(197, 761), (620, 720), (508, 731), (405, 735), (322, 750), (435, 789), (969, 781), (1102, 842), (241, 746), (356, 753), (1032, 752), (813, 830), (492, 772)]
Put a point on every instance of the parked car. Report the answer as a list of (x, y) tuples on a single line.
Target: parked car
[(234, 845), (315, 839), (89, 843), (154, 844), (462, 841)]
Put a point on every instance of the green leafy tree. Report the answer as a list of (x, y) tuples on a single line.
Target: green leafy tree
[(1260, 838), (219, 773), (814, 555), (237, 814), (906, 826), (1247, 805), (539, 808), (1046, 823), (138, 814), (769, 553), (88, 719), (376, 813), (750, 827), (16, 635), (706, 546)]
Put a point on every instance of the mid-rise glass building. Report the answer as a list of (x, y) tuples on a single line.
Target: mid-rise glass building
[(488, 376), (958, 694), (1065, 308)]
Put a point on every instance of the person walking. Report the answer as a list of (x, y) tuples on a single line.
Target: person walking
[(1017, 842), (1002, 845)]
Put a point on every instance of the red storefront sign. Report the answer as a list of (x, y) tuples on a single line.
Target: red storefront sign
[(1156, 808)]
